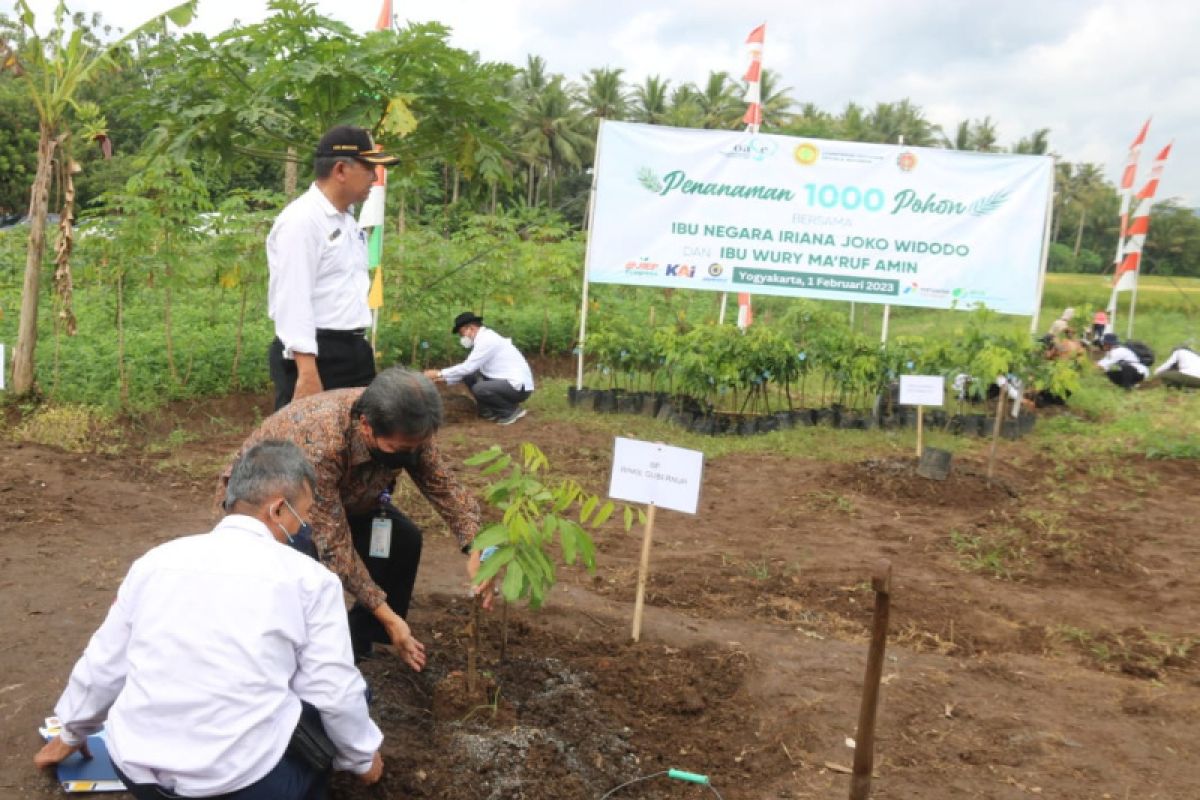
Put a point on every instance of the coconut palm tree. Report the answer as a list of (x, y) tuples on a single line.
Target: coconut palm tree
[(718, 102), (650, 101), (552, 134), (603, 96)]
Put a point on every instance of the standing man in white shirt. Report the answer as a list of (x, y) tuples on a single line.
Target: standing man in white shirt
[(214, 646), (495, 372), (319, 278), (1120, 364), (1181, 369)]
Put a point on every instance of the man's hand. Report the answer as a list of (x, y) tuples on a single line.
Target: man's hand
[(411, 651), (308, 380), (56, 751), (433, 374), (485, 590), (373, 775)]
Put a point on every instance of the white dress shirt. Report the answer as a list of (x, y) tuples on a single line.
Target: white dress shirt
[(1184, 361), (497, 358), (317, 258), (202, 662), (1122, 355)]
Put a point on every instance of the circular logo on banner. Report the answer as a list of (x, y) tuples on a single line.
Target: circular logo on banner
[(806, 153), (715, 270), (906, 161)]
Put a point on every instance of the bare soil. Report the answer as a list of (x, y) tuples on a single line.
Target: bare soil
[(1042, 641)]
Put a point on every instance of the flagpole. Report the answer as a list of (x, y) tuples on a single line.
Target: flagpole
[(587, 262)]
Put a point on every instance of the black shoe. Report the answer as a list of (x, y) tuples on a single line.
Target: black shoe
[(511, 418)]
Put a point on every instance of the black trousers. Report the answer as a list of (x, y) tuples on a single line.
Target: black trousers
[(344, 360), (496, 398), (396, 574), (1125, 376)]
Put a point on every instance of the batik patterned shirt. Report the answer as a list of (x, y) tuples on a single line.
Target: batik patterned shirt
[(348, 481)]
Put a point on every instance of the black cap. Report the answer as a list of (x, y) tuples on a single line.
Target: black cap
[(465, 318), (349, 142), (1110, 338)]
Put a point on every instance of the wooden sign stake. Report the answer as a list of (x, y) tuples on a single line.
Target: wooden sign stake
[(643, 574), (920, 430), (864, 741)]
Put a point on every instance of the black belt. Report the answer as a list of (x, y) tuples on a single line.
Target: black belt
[(332, 334)]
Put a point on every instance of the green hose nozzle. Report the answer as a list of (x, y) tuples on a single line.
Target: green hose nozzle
[(690, 777)]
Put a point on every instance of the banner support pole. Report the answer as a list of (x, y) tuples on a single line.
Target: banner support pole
[(1041, 285), (887, 316), (587, 264)]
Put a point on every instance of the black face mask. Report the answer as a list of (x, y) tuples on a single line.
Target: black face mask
[(401, 459), (302, 540)]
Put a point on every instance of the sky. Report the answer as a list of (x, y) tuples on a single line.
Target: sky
[(1091, 71)]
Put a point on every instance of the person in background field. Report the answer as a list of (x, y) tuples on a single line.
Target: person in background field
[(1181, 369), (358, 440), (317, 258), (495, 372), (1120, 364), (1061, 327), (1099, 324), (216, 648)]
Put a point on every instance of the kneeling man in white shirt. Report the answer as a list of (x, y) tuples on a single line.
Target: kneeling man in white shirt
[(215, 646)]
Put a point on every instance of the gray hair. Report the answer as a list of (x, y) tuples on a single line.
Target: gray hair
[(400, 401), (269, 468)]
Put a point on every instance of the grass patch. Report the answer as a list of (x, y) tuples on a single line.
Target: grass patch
[(1001, 553), (74, 428), (1134, 651)]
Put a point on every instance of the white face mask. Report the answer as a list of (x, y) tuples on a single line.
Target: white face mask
[(466, 341)]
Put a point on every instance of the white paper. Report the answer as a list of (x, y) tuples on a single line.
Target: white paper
[(646, 472), (922, 390)]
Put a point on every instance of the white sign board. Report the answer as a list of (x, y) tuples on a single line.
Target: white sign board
[(646, 472), (732, 211), (922, 390)]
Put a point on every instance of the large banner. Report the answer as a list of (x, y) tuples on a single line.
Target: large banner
[(873, 223)]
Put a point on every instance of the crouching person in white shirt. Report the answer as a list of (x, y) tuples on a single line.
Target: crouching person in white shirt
[(495, 372), (1181, 370), (215, 645)]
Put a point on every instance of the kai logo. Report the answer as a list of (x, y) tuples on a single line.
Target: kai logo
[(680, 270), (806, 153)]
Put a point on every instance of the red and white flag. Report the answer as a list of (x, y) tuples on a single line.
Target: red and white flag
[(745, 311), (1126, 190), (1127, 270), (753, 76)]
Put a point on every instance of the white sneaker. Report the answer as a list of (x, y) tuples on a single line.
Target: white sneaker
[(511, 418)]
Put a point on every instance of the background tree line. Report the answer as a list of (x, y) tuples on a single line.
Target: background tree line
[(244, 106)]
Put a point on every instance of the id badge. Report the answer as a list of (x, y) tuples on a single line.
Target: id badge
[(381, 537)]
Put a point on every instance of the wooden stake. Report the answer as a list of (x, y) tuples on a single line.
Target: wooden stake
[(996, 431), (643, 574), (864, 740), (920, 430)]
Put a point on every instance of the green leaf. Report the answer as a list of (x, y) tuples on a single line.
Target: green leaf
[(499, 465), (605, 512), (628, 517), (493, 535), (587, 551), (398, 120), (484, 456), (568, 539), (494, 564), (514, 581), (588, 507)]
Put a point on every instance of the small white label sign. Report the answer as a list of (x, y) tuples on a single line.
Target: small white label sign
[(922, 390), (646, 472)]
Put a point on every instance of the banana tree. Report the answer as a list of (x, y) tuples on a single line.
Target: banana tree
[(54, 69)]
